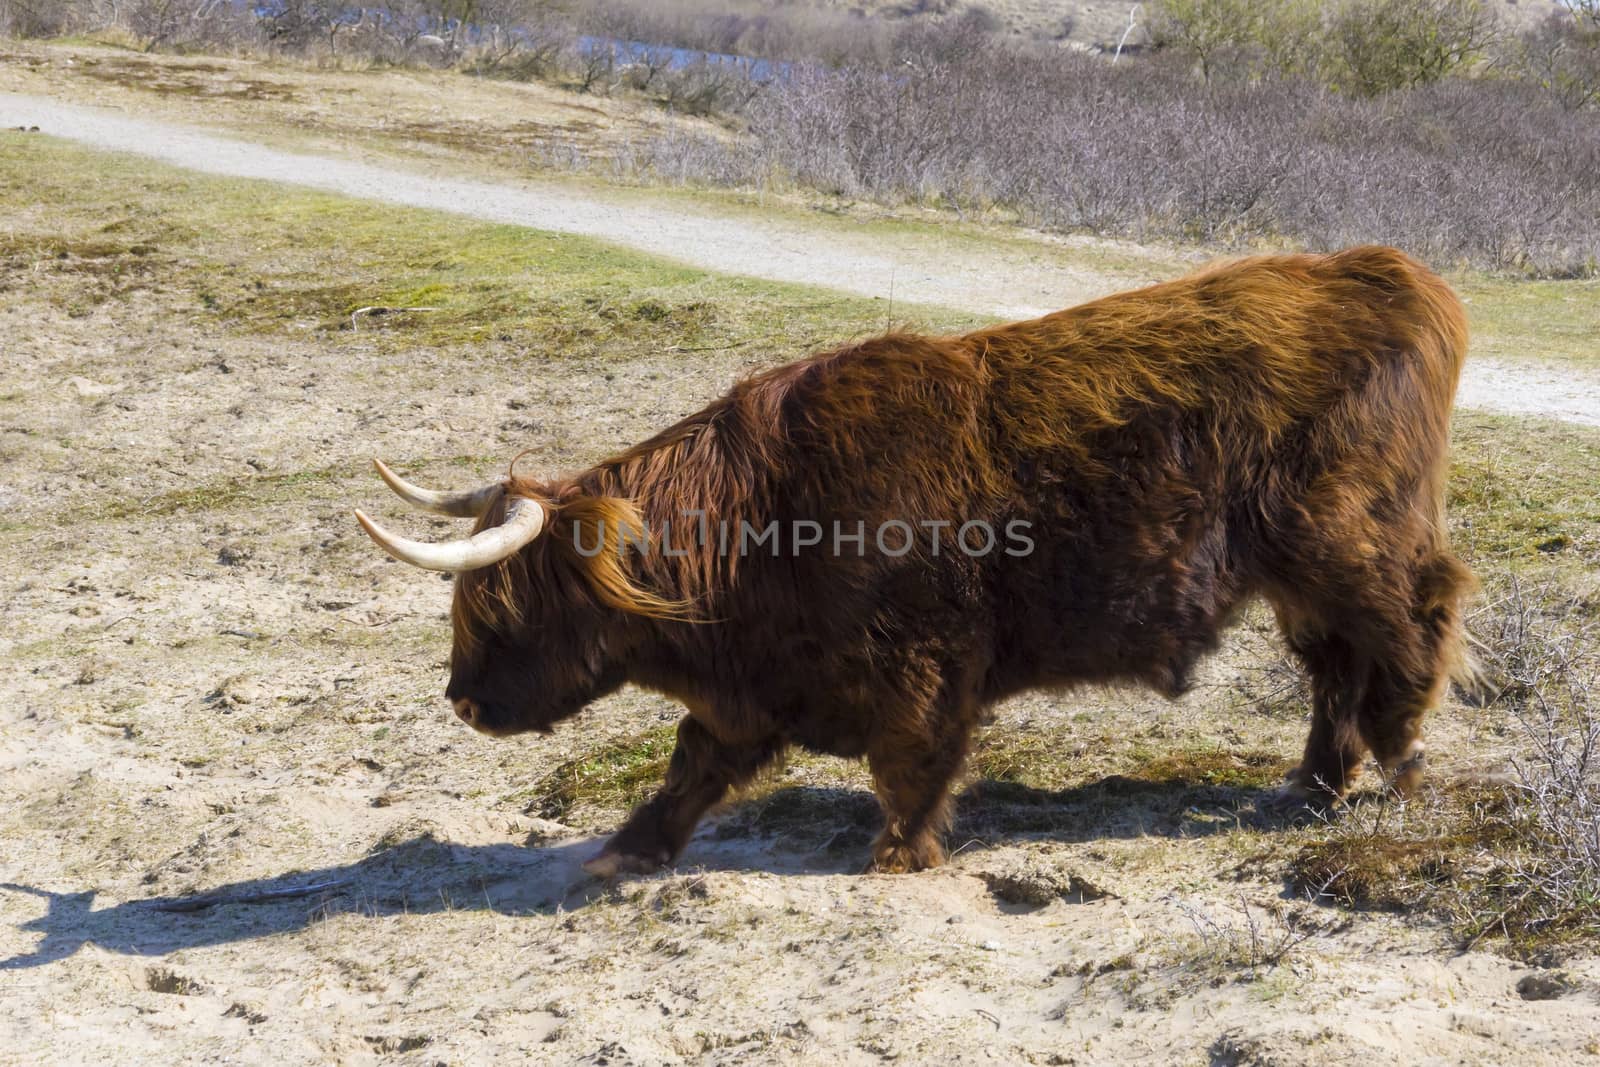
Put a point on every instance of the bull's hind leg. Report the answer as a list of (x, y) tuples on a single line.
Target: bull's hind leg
[(1379, 657), (701, 772), (1411, 667), (1333, 749)]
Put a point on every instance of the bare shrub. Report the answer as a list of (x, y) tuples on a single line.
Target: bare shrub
[(34, 18), (183, 23), (1461, 172), (1544, 650), (1562, 56), (597, 66), (1260, 938), (522, 51), (708, 85)]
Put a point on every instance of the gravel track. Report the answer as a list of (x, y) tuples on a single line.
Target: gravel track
[(908, 267)]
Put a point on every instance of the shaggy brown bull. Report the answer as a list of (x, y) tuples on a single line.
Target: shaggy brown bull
[(1139, 466)]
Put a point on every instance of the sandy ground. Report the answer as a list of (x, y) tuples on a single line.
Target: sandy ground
[(243, 700), (910, 267), (237, 695)]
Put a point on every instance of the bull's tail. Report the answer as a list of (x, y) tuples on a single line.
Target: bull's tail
[(1442, 584), (1437, 325), (1473, 682), (1442, 344)]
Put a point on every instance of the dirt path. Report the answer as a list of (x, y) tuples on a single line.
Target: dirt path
[(907, 267)]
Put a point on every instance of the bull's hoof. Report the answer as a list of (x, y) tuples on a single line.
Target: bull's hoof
[(1294, 804), (1405, 777), (611, 864), (905, 857), (1299, 802)]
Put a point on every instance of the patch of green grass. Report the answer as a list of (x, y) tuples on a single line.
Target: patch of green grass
[(1524, 489), (260, 258), (1454, 853), (221, 495), (1379, 872), (1053, 759), (1230, 768), (1039, 758), (1517, 319)]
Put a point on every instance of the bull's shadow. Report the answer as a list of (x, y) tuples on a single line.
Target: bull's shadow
[(793, 831), (835, 827), (417, 876)]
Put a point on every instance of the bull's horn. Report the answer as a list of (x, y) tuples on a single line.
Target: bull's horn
[(524, 519), (462, 505)]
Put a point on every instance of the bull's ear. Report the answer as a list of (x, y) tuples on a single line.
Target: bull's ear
[(604, 537)]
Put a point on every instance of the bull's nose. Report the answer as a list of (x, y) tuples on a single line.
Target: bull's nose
[(468, 710)]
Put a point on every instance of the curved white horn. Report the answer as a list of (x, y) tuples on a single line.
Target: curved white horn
[(462, 505), (524, 520)]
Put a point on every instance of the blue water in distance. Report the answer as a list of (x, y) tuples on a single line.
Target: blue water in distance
[(753, 67)]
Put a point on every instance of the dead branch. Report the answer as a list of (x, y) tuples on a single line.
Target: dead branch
[(379, 309)]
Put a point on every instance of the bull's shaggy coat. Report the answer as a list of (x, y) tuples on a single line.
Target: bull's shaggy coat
[(1275, 426)]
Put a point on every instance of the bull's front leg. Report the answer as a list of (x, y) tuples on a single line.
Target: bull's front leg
[(911, 771), (701, 772)]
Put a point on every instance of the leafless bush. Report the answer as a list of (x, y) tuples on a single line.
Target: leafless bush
[(706, 86), (1562, 56), (34, 18), (1477, 172), (191, 23), (1261, 938), (1544, 651), (597, 68), (526, 51)]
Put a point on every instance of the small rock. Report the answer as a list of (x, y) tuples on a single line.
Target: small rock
[(85, 387)]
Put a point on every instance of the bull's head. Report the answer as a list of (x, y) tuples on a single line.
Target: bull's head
[(532, 643)]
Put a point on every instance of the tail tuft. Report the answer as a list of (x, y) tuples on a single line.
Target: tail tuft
[(1473, 683)]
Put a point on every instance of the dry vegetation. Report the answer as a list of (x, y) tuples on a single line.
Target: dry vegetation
[(1441, 126), (240, 823)]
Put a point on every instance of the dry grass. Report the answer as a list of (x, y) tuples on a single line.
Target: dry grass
[(611, 779), (1516, 857)]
